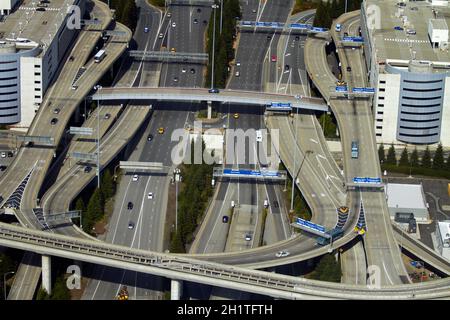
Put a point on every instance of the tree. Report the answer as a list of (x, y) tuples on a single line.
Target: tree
[(381, 155), (404, 161), (328, 126), (176, 245), (328, 269), (107, 186), (426, 159), (42, 294), (60, 290), (414, 159), (447, 164), (438, 160), (95, 210), (391, 158)]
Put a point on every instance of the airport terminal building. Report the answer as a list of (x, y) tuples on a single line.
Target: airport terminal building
[(406, 51), (34, 38)]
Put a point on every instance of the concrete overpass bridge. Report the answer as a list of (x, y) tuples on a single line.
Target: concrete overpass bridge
[(202, 94), (180, 268)]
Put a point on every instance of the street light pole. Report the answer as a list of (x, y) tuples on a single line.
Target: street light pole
[(4, 281), (213, 48), (221, 9), (294, 176), (177, 178), (98, 138)]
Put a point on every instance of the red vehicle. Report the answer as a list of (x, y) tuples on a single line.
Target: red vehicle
[(274, 58)]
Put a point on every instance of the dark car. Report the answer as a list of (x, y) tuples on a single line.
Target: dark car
[(40, 9), (56, 110), (297, 37), (10, 154), (150, 137), (87, 169), (54, 121), (225, 219), (213, 90), (30, 144), (286, 67), (349, 69), (269, 37), (71, 58), (193, 71), (205, 22), (107, 116), (199, 10), (195, 21), (2, 168), (130, 205)]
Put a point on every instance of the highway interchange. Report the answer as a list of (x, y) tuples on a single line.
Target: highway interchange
[(321, 181)]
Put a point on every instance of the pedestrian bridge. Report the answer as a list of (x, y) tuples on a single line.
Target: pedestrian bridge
[(202, 94)]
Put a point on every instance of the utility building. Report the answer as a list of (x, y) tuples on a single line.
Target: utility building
[(406, 201)]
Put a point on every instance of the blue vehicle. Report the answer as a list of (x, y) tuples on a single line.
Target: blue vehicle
[(338, 27), (335, 234), (355, 150), (398, 28)]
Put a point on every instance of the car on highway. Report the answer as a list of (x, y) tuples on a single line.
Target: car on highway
[(74, 87), (398, 28), (173, 50), (225, 219), (195, 21), (286, 67), (71, 58), (236, 115), (146, 29), (213, 90), (248, 237), (341, 83), (183, 70), (29, 144), (161, 130), (266, 203), (175, 79), (238, 63), (87, 169), (150, 195), (160, 35), (269, 37), (53, 121), (130, 225), (130, 205), (2, 168), (169, 14), (349, 69), (135, 177), (199, 10), (273, 58), (3, 154), (205, 22), (254, 10), (56, 110), (297, 37), (174, 24), (237, 74), (232, 203), (150, 137), (193, 71), (107, 116), (281, 254), (10, 154)]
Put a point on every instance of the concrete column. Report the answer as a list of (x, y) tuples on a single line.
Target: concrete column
[(47, 273), (209, 109), (176, 289)]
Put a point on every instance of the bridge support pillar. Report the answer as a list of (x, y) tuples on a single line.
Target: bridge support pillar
[(209, 109), (176, 289), (47, 273)]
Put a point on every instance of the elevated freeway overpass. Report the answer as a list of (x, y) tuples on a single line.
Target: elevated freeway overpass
[(201, 94), (178, 268)]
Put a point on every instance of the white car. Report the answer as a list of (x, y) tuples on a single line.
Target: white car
[(174, 24), (150, 195), (248, 237), (281, 254), (238, 63), (237, 74), (135, 177), (160, 36), (3, 154), (130, 225), (183, 70)]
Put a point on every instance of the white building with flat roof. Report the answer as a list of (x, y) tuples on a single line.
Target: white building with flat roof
[(34, 38), (406, 47), (443, 238), (406, 199), (7, 5)]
